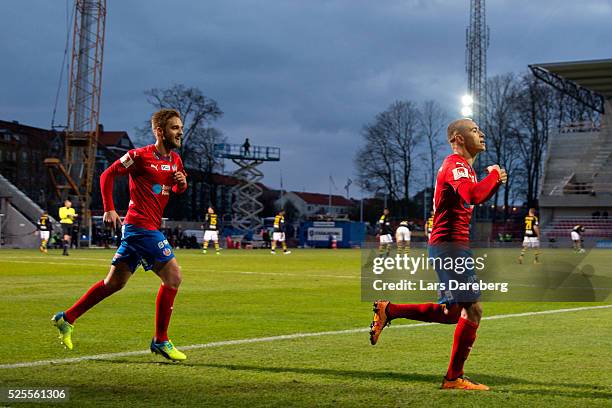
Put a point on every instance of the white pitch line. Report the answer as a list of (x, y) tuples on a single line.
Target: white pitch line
[(56, 263), (293, 274), (97, 263), (57, 258), (273, 338)]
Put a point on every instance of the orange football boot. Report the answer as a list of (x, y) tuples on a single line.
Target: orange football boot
[(380, 320), (463, 383)]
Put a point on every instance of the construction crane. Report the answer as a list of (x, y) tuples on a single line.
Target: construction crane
[(73, 176)]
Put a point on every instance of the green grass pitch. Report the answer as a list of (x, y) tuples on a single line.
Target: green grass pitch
[(559, 359)]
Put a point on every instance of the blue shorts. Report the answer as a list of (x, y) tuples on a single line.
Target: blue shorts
[(142, 246), (454, 270)]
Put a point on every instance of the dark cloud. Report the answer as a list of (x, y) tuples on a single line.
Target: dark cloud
[(305, 76)]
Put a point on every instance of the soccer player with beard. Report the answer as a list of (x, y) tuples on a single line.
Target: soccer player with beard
[(153, 171), (457, 191)]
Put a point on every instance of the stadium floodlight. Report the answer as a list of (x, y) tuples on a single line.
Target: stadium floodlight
[(467, 100), (467, 111)]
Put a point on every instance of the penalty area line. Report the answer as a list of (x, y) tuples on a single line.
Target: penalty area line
[(109, 356)]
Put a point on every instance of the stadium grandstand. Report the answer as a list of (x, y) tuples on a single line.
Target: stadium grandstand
[(577, 179)]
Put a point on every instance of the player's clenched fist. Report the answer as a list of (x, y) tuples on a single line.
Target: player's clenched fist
[(180, 178), (503, 176)]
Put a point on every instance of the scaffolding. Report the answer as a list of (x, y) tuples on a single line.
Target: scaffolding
[(74, 176), (246, 205)]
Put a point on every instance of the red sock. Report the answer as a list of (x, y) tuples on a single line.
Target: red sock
[(465, 336), (424, 312), (92, 297), (164, 302)]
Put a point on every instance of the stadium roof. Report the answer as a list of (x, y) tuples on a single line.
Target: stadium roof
[(595, 75), (323, 199)]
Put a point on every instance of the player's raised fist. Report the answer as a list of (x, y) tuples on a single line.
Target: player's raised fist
[(503, 176), (493, 167), (180, 178)]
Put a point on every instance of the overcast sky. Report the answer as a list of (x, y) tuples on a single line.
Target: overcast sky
[(304, 75)]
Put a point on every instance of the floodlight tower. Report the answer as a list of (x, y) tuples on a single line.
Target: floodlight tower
[(477, 42), (246, 205), (74, 175)]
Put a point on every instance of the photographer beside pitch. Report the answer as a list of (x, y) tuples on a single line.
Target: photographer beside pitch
[(153, 170), (457, 191)]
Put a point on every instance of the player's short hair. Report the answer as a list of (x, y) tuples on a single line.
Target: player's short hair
[(455, 126), (161, 117)]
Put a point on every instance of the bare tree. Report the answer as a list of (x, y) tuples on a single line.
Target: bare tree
[(374, 162), (500, 123), (572, 111), (538, 115), (197, 112), (400, 123), (433, 120), (386, 160)]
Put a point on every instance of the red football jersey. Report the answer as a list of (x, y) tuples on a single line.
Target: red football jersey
[(151, 179), (452, 214)]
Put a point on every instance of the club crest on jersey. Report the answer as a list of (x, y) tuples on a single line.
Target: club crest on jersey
[(460, 172), (174, 167), (167, 251), (126, 160)]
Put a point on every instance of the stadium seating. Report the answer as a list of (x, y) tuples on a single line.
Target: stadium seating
[(560, 227)]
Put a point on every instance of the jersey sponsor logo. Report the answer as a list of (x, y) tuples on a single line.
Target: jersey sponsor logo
[(160, 244), (460, 172), (165, 167), (126, 160), (154, 166), (160, 189)]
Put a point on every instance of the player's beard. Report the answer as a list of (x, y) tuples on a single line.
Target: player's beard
[(170, 142)]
